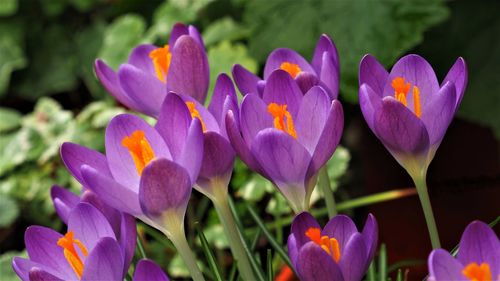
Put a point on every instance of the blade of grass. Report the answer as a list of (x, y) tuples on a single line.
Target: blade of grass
[(371, 275), (141, 248), (253, 245), (382, 263), (208, 254), (404, 263), (270, 274), (400, 275)]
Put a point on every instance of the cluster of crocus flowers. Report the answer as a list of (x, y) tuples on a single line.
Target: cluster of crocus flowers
[(336, 252)]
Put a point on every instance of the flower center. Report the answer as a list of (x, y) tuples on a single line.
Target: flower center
[(161, 59), (292, 68), (330, 245), (195, 113), (475, 272), (282, 119), (68, 242), (401, 90), (139, 149)]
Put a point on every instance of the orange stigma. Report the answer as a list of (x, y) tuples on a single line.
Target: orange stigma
[(330, 245), (195, 113), (475, 272), (161, 59), (401, 90), (68, 242), (139, 149), (292, 68), (279, 113)]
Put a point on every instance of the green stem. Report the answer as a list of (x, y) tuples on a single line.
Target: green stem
[(421, 185), (324, 185), (141, 248), (223, 210)]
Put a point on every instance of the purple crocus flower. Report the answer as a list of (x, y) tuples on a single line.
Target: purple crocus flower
[(337, 252), (287, 136), (151, 72), (324, 69), (89, 250), (407, 109), (147, 270), (123, 225), (478, 257)]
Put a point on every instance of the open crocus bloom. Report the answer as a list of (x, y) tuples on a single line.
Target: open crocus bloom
[(151, 72), (407, 109), (324, 70), (147, 270), (478, 257), (138, 175), (337, 252), (218, 156), (88, 251)]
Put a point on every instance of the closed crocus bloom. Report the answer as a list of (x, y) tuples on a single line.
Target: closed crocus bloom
[(324, 69), (478, 257), (151, 72), (338, 252), (89, 250), (147, 270), (287, 136)]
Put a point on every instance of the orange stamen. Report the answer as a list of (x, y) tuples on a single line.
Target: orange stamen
[(416, 101), (292, 68), (161, 59), (401, 90), (139, 149), (67, 242), (279, 113), (476, 272), (195, 113), (329, 245)]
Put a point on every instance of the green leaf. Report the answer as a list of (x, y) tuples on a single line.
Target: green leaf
[(9, 211), (255, 188), (382, 263), (12, 57), (215, 235), (9, 119), (208, 254), (120, 37), (224, 29), (6, 271), (357, 28), (8, 7), (270, 273)]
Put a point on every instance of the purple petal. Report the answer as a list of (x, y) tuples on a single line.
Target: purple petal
[(111, 192), (370, 102), (104, 262), (207, 118), (147, 270), (193, 32), (301, 223), (352, 261), (140, 58), (112, 215), (75, 156), (145, 89), (128, 239), (22, 268), (370, 235), (306, 80), (314, 263), (281, 55), (245, 80), (218, 157), (283, 90), (312, 116), (341, 228), (325, 45), (173, 123), (37, 274), (254, 117), (443, 267), (399, 129), (373, 74), (223, 88), (89, 225), (188, 73), (459, 76), (192, 154), (64, 201), (330, 76), (479, 244), (178, 30), (42, 248), (230, 104), (293, 249), (164, 186), (109, 79), (439, 113), (120, 160), (329, 139)]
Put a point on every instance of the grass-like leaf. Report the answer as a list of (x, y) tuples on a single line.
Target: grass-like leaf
[(382, 263), (209, 255), (270, 275)]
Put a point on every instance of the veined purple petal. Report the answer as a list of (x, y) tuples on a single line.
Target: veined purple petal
[(330, 75), (301, 223), (193, 32), (311, 118), (38, 274), (128, 239), (283, 90), (254, 117), (293, 249), (112, 215), (245, 80), (104, 262), (352, 261), (120, 160), (341, 228), (223, 88), (314, 263), (306, 80), (230, 104), (206, 117), (22, 268), (325, 45), (140, 58), (370, 102), (147, 270), (282, 55), (192, 154), (178, 30), (218, 157), (373, 74), (64, 201), (164, 186), (443, 267), (109, 79), (370, 235), (144, 88), (188, 73), (399, 129), (111, 192), (479, 244), (459, 76), (75, 156)]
